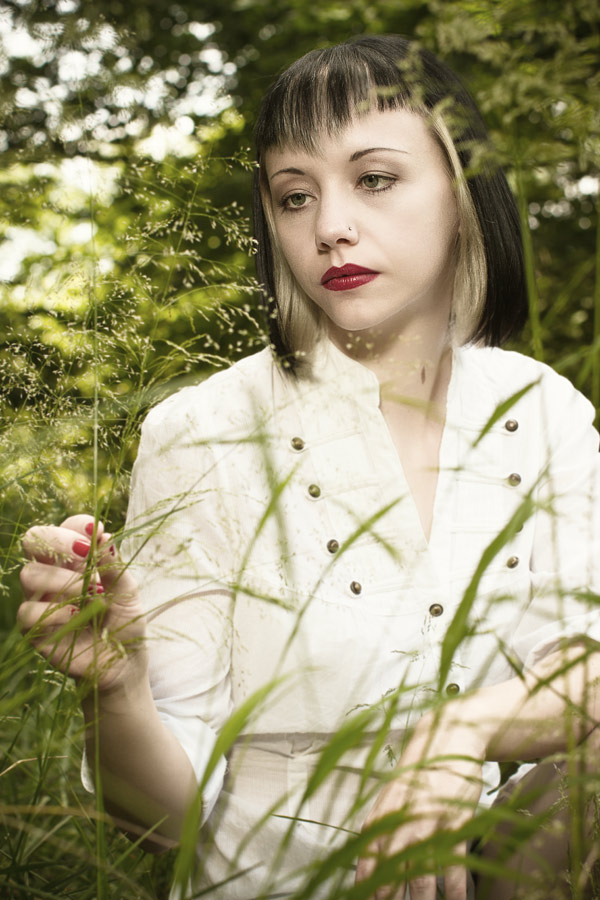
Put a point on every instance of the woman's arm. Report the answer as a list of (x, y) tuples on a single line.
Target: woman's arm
[(555, 705), (437, 782), (147, 779)]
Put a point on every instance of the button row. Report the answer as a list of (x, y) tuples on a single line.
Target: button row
[(298, 443)]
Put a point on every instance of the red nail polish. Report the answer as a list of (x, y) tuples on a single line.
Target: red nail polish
[(81, 548), (73, 611), (89, 528), (112, 550), (95, 589)]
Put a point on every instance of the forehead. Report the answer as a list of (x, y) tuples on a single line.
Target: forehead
[(394, 129)]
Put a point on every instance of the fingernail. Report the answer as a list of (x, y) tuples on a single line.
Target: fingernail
[(89, 528), (73, 611), (95, 589), (112, 550), (81, 548)]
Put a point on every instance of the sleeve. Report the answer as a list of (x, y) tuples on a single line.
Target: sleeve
[(565, 560), (179, 550)]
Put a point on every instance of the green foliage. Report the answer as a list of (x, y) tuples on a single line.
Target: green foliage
[(126, 271)]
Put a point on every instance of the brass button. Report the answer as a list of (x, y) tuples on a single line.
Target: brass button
[(514, 479), (297, 443), (314, 490), (452, 689), (436, 609), (333, 546), (512, 562), (355, 587), (511, 424)]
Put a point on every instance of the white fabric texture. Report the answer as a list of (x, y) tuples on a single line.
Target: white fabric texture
[(229, 534)]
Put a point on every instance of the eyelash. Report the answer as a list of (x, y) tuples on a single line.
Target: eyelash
[(389, 180)]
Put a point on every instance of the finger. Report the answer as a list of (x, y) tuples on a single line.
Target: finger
[(390, 892), (455, 878), (365, 868), (55, 634), (423, 887), (57, 546), (40, 620), (86, 525), (50, 582)]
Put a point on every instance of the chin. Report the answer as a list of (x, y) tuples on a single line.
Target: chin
[(361, 324)]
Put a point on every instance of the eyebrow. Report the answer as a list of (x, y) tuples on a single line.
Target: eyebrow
[(358, 154)]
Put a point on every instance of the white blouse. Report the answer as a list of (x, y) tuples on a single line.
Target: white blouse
[(275, 540)]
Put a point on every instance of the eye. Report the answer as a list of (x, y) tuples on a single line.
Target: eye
[(294, 201), (375, 182)]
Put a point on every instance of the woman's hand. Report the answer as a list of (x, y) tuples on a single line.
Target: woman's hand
[(437, 787), (81, 607)]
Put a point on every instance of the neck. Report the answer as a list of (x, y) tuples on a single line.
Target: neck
[(412, 365)]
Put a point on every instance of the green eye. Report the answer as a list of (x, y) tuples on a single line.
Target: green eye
[(371, 181), (295, 200), (375, 183)]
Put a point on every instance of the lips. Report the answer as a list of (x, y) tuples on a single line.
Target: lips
[(347, 277)]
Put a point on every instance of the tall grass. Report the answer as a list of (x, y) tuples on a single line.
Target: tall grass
[(68, 441), (71, 408)]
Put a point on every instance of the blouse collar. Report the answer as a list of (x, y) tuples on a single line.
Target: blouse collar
[(331, 367)]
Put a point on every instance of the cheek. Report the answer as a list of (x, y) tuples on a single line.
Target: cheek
[(443, 224)]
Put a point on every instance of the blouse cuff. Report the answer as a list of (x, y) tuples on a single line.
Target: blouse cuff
[(551, 638), (198, 740)]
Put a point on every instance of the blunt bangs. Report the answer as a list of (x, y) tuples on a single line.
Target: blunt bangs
[(323, 92)]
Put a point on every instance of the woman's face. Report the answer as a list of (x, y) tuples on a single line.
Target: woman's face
[(375, 201)]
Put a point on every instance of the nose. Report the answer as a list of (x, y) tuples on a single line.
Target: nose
[(334, 225)]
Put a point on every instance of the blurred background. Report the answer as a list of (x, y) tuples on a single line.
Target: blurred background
[(126, 270)]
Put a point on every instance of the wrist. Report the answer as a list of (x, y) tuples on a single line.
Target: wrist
[(484, 714), (470, 722), (128, 693)]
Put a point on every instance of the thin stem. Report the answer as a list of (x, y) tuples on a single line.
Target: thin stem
[(532, 293), (596, 336), (101, 853)]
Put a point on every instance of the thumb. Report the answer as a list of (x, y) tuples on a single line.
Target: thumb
[(114, 574)]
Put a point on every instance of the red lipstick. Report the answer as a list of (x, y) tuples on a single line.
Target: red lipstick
[(347, 277)]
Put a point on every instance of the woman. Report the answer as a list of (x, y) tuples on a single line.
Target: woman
[(381, 512)]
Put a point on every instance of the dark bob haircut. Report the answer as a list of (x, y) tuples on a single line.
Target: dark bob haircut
[(322, 92)]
